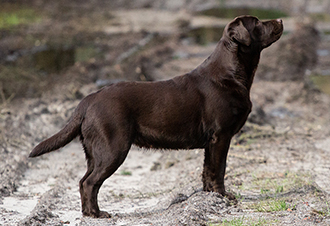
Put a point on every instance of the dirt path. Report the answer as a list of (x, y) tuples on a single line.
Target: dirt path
[(278, 169), (279, 172), (48, 192), (53, 180)]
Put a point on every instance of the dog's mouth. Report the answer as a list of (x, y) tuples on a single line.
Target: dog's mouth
[(278, 27), (275, 32)]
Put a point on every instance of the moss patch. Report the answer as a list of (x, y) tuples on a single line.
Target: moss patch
[(12, 15)]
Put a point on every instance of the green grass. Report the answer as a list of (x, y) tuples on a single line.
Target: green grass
[(279, 189), (276, 183), (327, 212), (322, 82), (234, 222), (272, 205), (242, 221), (264, 191), (12, 15), (262, 221), (125, 173), (238, 196)]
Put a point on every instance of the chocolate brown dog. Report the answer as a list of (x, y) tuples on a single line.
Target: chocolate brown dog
[(201, 109)]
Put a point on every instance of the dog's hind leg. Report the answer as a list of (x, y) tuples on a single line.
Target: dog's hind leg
[(90, 168), (106, 160)]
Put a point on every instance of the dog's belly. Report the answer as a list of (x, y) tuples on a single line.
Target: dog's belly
[(183, 138)]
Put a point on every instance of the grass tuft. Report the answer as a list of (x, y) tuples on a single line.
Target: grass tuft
[(273, 205), (242, 221), (125, 173)]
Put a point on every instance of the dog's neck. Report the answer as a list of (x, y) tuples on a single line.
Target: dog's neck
[(230, 62), (247, 65)]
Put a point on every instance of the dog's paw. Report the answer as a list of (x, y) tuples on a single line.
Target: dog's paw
[(100, 214), (229, 195), (104, 214)]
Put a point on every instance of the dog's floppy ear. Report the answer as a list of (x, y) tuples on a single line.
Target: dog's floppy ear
[(236, 31)]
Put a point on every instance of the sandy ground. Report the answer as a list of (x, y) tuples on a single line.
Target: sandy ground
[(278, 165), (286, 159)]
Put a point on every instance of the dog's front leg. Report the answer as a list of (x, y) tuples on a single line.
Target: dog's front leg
[(215, 165)]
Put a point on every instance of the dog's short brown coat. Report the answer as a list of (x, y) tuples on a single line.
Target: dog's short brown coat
[(201, 109)]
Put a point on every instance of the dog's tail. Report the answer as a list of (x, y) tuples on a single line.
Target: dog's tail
[(71, 130)]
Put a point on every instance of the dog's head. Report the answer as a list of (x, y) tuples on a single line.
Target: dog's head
[(249, 31)]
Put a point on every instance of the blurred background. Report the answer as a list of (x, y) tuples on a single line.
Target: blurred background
[(71, 43)]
